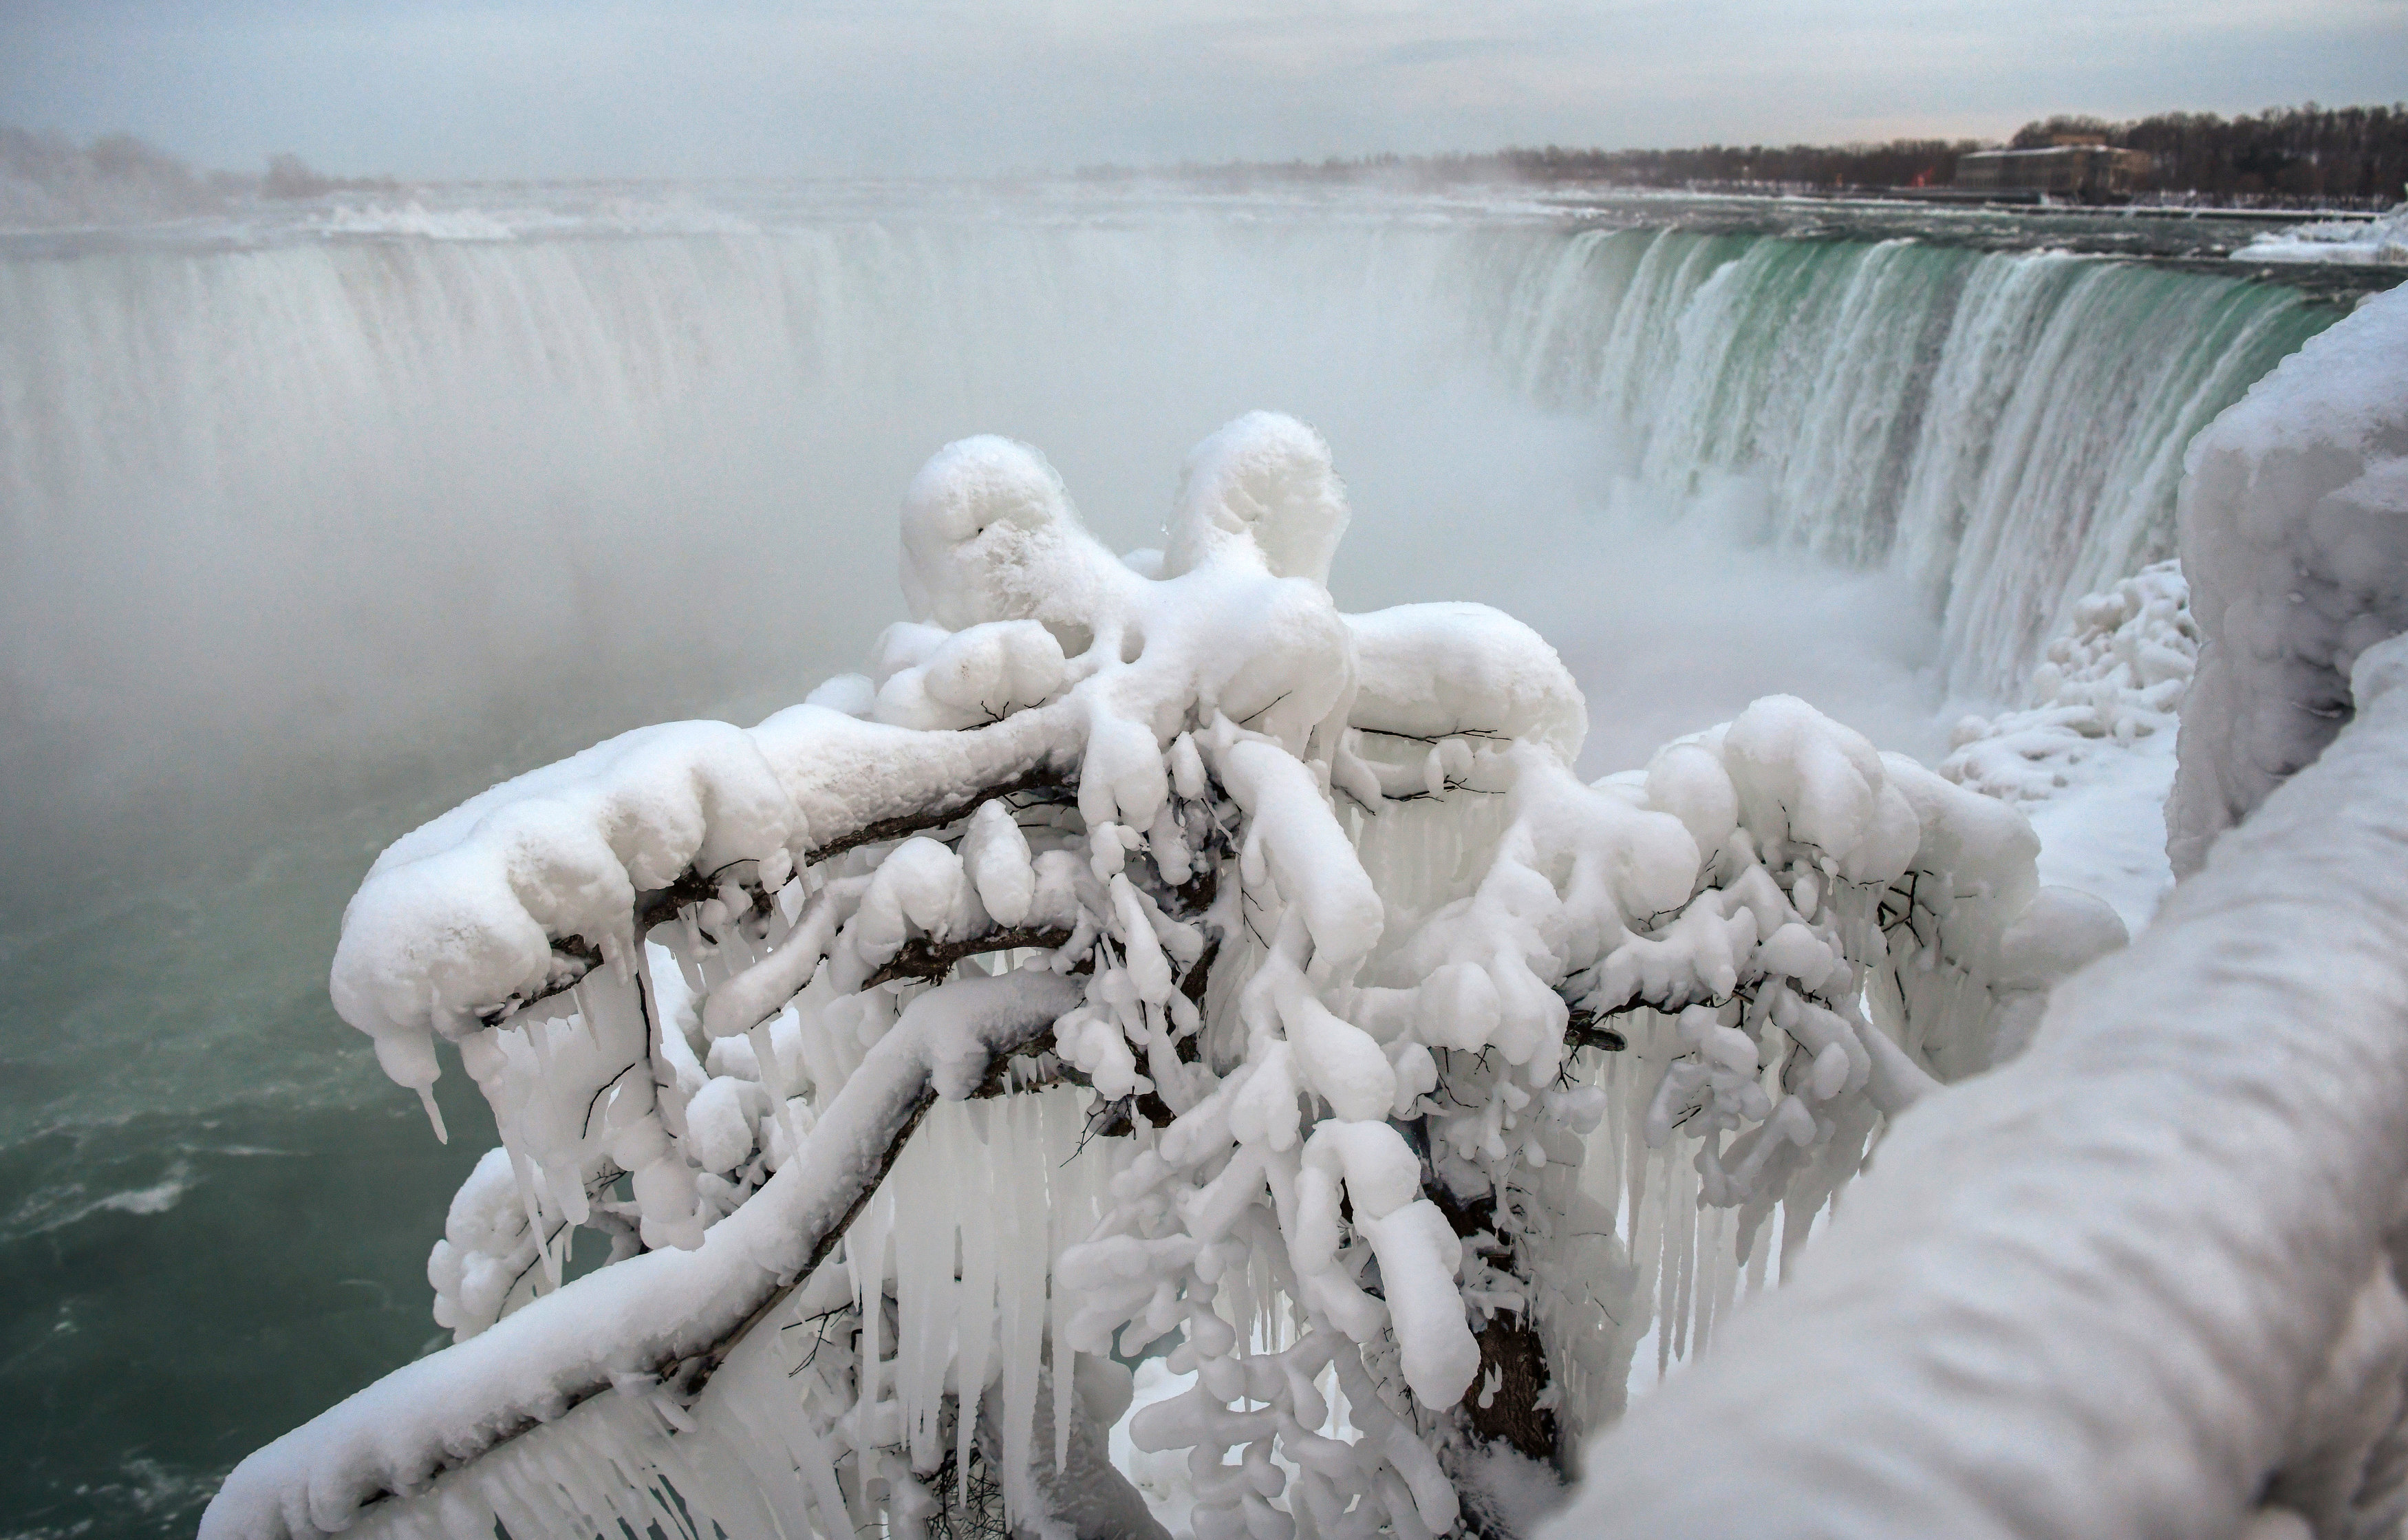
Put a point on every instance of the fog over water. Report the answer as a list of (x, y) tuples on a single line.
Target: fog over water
[(308, 530)]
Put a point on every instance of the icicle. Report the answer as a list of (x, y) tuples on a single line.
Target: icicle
[(865, 1253), (434, 1114), (1685, 1253), (1068, 1216), (1661, 1265), (980, 1239)]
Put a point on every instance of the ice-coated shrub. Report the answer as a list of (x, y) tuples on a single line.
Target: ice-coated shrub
[(1391, 1035)]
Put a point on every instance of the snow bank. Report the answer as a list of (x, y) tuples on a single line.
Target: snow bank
[(2354, 241), (2294, 527)]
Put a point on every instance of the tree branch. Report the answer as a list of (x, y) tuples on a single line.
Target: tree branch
[(1584, 1029), (446, 1410), (658, 906), (924, 958), (939, 814)]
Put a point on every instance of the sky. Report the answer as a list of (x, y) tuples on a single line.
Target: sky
[(519, 88)]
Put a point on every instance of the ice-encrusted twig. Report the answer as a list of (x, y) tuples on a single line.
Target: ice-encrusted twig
[(665, 1315)]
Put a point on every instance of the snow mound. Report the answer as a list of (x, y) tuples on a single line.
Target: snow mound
[(2294, 528), (2117, 677)]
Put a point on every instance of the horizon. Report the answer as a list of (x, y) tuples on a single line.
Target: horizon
[(1367, 163)]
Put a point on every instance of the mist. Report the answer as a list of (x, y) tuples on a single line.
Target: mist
[(338, 521), (320, 536)]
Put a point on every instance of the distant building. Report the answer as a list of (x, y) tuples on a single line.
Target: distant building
[(2087, 172)]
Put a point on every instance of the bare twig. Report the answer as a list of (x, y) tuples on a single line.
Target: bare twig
[(924, 958)]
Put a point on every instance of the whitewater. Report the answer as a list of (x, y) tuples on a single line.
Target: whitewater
[(318, 525)]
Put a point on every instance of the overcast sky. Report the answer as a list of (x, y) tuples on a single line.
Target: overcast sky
[(470, 88)]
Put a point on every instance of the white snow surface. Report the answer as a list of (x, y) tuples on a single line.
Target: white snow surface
[(2354, 242), (2294, 529)]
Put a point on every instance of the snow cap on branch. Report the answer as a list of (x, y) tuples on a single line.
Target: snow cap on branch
[(1262, 483)]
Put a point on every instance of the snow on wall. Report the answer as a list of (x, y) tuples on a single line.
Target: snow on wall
[(2294, 525)]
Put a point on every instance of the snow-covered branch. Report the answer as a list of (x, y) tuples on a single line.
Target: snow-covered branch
[(664, 1317)]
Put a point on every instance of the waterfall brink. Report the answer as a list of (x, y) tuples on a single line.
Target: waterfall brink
[(2007, 426)]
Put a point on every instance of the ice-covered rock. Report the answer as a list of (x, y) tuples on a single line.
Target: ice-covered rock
[(2117, 677)]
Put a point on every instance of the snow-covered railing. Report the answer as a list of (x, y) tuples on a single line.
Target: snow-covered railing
[(2135, 1282)]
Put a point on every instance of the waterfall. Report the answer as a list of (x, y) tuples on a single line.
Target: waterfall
[(292, 514), (2007, 426)]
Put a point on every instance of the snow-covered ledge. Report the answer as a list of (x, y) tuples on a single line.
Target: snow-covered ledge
[(2133, 1283)]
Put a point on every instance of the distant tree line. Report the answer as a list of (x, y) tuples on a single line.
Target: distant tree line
[(1900, 162), (2310, 152), (45, 180), (2305, 154), (48, 180)]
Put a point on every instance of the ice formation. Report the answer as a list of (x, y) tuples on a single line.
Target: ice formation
[(2294, 526), (2117, 676), (1379, 1018)]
